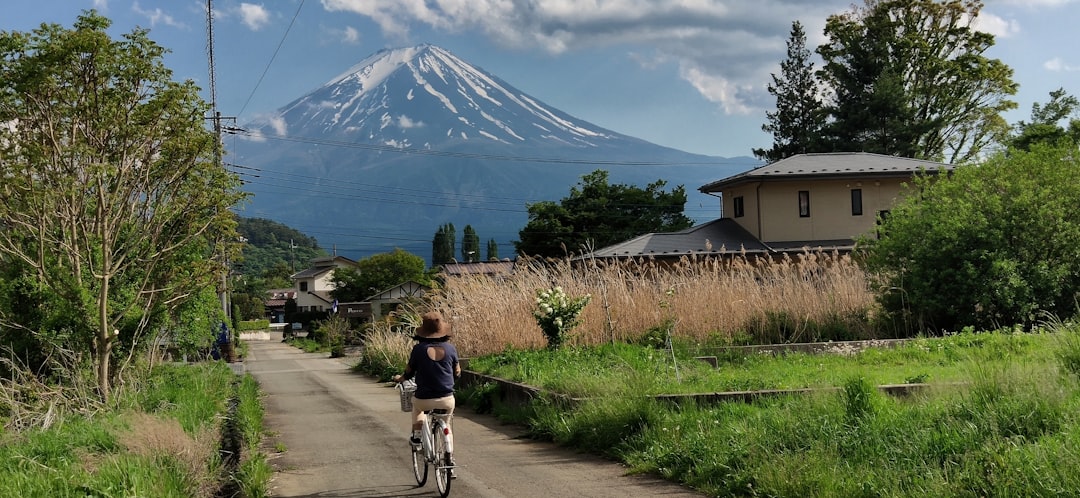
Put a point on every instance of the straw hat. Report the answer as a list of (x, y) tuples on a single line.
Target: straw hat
[(433, 326)]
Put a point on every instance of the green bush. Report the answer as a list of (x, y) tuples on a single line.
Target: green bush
[(989, 245), (246, 325)]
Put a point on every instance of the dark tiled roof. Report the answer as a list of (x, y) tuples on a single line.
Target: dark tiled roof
[(479, 268), (715, 237), (312, 272), (834, 164), (273, 303)]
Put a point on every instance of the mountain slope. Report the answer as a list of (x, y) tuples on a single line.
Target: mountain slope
[(413, 138)]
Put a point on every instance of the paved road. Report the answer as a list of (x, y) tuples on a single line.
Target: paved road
[(344, 436)]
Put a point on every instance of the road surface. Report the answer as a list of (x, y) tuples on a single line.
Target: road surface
[(344, 435)]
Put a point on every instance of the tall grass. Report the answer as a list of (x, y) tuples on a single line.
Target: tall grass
[(808, 297), (160, 439)]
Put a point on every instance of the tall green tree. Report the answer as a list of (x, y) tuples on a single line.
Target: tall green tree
[(796, 124), (377, 273), (443, 244), (597, 214), (910, 78), (1046, 126), (990, 245), (111, 198), (470, 245), (492, 250)]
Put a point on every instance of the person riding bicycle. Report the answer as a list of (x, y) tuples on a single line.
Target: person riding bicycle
[(434, 363)]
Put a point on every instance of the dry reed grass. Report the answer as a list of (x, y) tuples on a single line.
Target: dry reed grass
[(155, 437), (703, 300)]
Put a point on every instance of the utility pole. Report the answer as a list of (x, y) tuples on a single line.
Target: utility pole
[(215, 117)]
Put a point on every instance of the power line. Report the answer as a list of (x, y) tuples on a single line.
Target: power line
[(472, 155), (272, 57)]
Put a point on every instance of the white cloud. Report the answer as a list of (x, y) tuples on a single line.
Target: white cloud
[(1058, 65), (351, 35), (255, 17), (997, 26), (406, 122), (725, 49), (101, 4), (156, 16)]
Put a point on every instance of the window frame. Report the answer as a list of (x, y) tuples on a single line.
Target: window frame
[(804, 204)]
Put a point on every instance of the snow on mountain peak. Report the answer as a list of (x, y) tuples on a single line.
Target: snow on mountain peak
[(427, 95)]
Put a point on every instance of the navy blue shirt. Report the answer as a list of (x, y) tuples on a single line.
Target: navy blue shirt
[(434, 379)]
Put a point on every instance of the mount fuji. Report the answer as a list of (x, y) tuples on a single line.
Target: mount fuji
[(410, 139)]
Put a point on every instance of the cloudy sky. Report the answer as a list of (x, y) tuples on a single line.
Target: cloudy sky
[(688, 74)]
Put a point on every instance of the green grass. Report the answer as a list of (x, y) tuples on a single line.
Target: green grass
[(1008, 427), (612, 368), (162, 440)]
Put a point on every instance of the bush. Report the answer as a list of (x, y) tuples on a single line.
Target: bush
[(245, 325), (991, 245)]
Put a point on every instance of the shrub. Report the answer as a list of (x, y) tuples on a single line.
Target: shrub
[(557, 313)]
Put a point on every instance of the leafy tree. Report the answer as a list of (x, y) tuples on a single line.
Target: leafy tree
[(797, 122), (1045, 126), (470, 245), (268, 244), (492, 250), (990, 245), (598, 214), (111, 197), (442, 245), (909, 78), (377, 273)]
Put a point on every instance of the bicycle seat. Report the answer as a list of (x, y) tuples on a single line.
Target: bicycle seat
[(438, 411)]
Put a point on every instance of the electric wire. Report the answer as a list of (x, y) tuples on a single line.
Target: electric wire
[(272, 57)]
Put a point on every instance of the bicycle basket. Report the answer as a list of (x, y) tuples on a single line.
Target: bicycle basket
[(406, 390)]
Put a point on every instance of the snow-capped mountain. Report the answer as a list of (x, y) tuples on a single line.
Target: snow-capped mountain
[(420, 123)]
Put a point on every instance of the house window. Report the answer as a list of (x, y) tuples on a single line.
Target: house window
[(804, 203), (303, 286), (738, 205), (856, 202)]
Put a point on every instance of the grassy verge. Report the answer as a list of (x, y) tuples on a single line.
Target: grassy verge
[(614, 368), (1010, 430), (162, 440)]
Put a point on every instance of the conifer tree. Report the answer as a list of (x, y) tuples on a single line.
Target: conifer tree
[(799, 116), (470, 245)]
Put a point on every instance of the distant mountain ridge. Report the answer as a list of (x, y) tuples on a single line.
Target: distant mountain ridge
[(412, 138)]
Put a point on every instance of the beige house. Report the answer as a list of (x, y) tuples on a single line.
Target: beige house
[(807, 201), (313, 285)]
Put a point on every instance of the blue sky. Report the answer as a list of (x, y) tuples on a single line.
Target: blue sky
[(688, 74)]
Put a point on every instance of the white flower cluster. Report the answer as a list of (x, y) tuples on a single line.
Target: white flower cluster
[(556, 311)]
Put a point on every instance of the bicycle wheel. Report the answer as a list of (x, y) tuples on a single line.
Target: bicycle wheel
[(419, 464), (442, 462)]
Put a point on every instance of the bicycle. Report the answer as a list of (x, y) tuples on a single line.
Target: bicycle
[(436, 444)]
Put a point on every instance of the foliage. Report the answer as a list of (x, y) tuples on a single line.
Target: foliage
[(598, 214), (797, 122), (196, 326), (334, 330), (557, 314), (910, 78), (990, 245), (996, 432), (268, 244), (160, 440), (492, 250), (111, 192), (470, 245), (1045, 127), (246, 325), (377, 273), (443, 244)]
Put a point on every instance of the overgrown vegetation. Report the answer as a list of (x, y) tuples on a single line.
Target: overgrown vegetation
[(820, 296), (1005, 425), (161, 439)]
